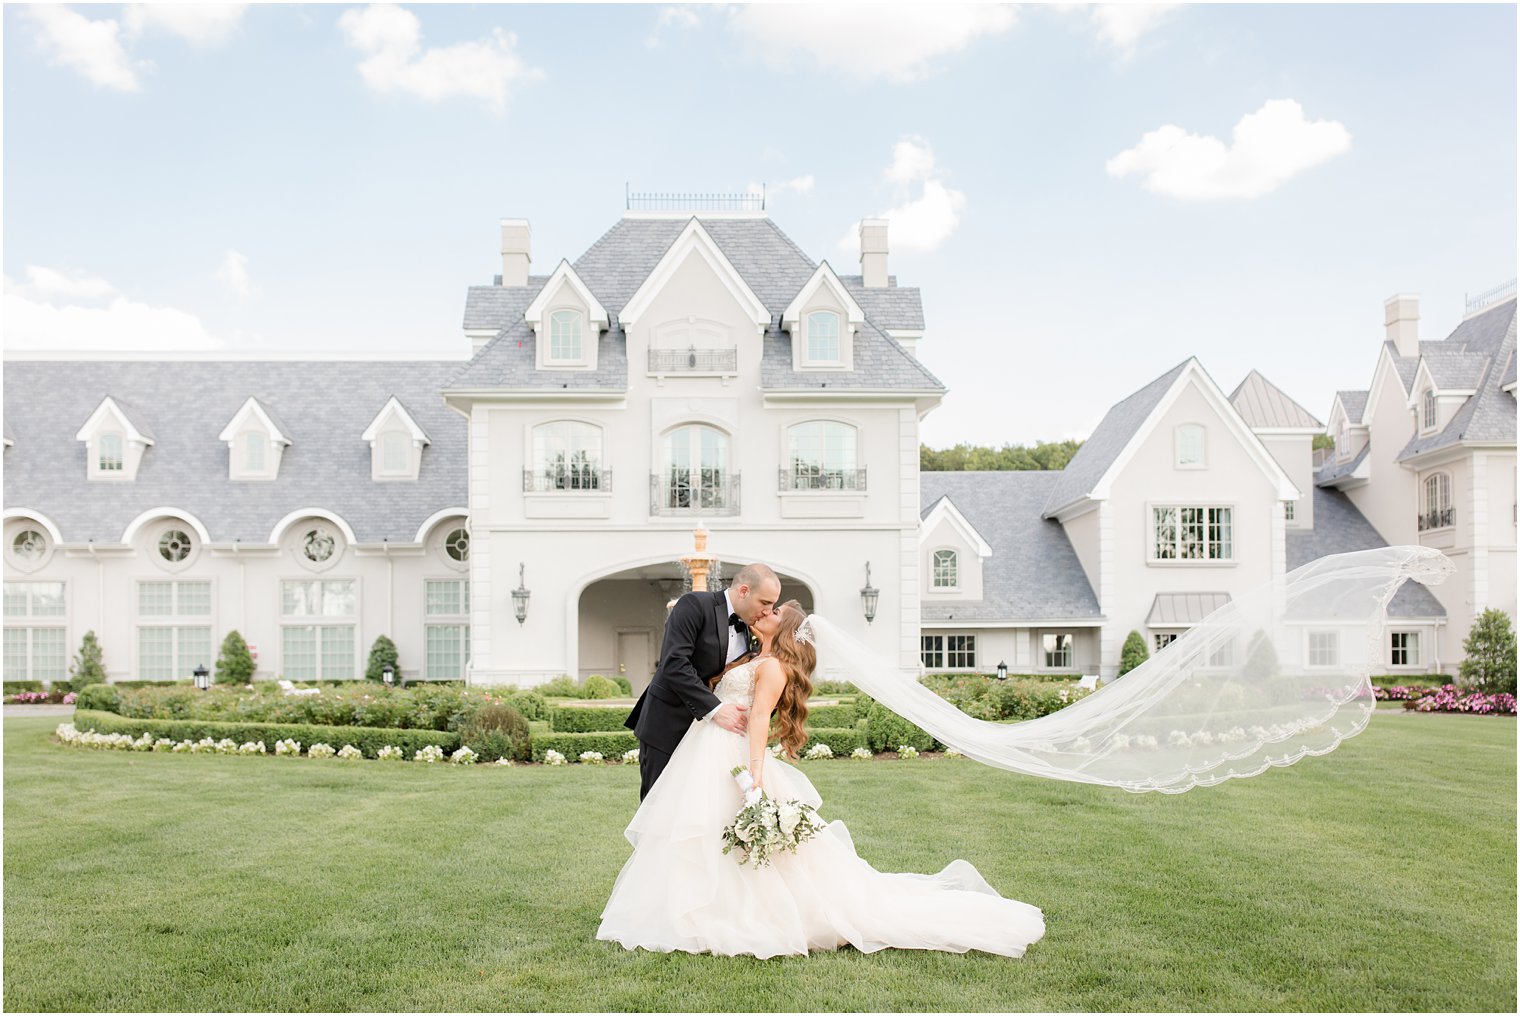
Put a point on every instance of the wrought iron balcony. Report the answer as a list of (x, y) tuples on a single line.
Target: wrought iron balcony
[(1436, 520), (694, 361), (571, 478), (683, 492), (817, 478)]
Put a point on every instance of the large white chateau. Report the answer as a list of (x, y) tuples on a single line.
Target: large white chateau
[(519, 515)]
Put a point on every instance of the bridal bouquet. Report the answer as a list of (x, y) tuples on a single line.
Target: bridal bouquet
[(763, 826)]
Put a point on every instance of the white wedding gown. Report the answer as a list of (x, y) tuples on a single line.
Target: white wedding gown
[(680, 892)]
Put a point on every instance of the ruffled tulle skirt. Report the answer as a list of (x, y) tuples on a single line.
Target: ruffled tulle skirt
[(680, 892)]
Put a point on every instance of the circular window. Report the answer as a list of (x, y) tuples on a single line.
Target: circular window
[(29, 545), (318, 546), (174, 545), (458, 545)]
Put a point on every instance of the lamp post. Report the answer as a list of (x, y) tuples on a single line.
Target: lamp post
[(869, 595), (520, 594), (388, 674), (202, 677), (1002, 671)]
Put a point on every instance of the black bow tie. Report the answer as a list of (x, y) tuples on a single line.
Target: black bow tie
[(733, 620)]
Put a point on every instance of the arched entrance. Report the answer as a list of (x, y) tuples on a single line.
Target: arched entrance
[(620, 619)]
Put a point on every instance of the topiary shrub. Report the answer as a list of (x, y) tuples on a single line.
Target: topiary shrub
[(885, 730), (625, 686), (531, 704), (1490, 651), (235, 664), (863, 704), (496, 730), (89, 665), (563, 686), (1133, 654), (99, 696), (381, 653), (599, 687)]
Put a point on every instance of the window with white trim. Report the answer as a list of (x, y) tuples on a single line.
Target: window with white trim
[(946, 569), (567, 455), (395, 453), (447, 629), (36, 639), (1188, 533), (1428, 409), (822, 456), (112, 457), (823, 337), (949, 652), (254, 444), (1190, 446), (1162, 639), (1343, 440), (1437, 513), (696, 469), (29, 546), (565, 338), (1324, 648), (173, 629), (318, 629), (1404, 648), (1289, 510), (932, 650), (1057, 647)]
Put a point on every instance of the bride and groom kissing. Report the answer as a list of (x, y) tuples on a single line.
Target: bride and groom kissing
[(736, 665)]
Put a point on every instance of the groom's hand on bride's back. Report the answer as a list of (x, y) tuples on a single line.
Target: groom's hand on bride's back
[(732, 716)]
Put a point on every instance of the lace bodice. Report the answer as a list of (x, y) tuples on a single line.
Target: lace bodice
[(738, 685)]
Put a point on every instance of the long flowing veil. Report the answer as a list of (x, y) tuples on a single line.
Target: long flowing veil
[(1279, 673)]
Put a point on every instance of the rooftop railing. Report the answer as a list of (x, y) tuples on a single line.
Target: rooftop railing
[(695, 202), (1490, 297)]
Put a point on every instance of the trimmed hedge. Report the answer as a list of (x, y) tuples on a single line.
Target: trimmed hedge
[(367, 739), (841, 740), (886, 731), (832, 717), (103, 697), (13, 687), (612, 746), (588, 719)]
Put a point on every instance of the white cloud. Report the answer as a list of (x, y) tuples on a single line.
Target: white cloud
[(1120, 26), (54, 310), (202, 24), (1269, 147), (897, 41), (682, 17), (91, 48), (922, 222), (233, 274), (391, 36)]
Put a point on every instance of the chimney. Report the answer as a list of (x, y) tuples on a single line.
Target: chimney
[(516, 239), (873, 253), (1401, 317)]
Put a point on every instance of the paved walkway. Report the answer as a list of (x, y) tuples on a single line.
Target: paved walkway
[(47, 710)]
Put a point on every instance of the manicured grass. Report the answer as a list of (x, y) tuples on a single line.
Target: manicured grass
[(1380, 877)]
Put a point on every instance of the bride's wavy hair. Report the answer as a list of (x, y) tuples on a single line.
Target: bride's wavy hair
[(798, 659)]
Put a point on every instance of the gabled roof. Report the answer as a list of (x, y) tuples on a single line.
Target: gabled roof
[(944, 509), (253, 407), (1454, 370), (1336, 469), (1340, 528), (881, 364), (564, 275), (694, 239), (1263, 405), (393, 406), (1488, 416), (323, 399), (1033, 573), (1353, 403), (822, 278)]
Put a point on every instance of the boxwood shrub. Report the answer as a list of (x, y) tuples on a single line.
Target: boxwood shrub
[(13, 687), (367, 739), (611, 745), (586, 719), (103, 697), (841, 740), (832, 716), (885, 731)]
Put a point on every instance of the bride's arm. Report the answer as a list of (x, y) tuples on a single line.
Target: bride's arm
[(769, 680)]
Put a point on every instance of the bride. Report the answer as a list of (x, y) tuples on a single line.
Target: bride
[(679, 891)]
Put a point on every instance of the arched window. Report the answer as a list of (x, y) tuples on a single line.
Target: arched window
[(822, 455), (111, 458), (567, 455), (1190, 446), (565, 335), (1437, 513), (823, 337), (696, 475), (946, 569), (1428, 409), (253, 451)]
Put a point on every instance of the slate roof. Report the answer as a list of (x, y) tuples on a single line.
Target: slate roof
[(1335, 468), (1340, 528), (323, 406), (1508, 377), (1354, 402), (1108, 440), (616, 265), (1453, 369), (1033, 573), (1262, 404), (1485, 341)]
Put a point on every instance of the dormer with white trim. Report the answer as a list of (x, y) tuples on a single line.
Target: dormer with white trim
[(567, 322), (822, 320), (115, 438), (951, 552), (255, 442), (1434, 406), (395, 443), (1347, 428)]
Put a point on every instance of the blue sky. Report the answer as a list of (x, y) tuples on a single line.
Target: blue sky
[(1086, 195)]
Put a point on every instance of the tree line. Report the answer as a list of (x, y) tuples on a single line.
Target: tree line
[(1041, 455)]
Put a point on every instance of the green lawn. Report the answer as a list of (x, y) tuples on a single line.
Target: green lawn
[(1380, 877)]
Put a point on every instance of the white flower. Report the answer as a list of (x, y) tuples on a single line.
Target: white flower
[(775, 750), (861, 753), (391, 752), (1203, 737), (907, 751), (463, 756), (320, 750), (1146, 741), (952, 753), (349, 751), (1120, 741), (1081, 744), (553, 758), (504, 762), (1179, 739), (820, 750), (287, 747), (789, 816), (591, 758), (251, 748), (631, 756), (428, 753)]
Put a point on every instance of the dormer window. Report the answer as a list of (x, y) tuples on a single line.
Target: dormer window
[(946, 569), (111, 457), (396, 442), (822, 337), (393, 452), (1343, 440), (115, 438), (1428, 409), (255, 442), (565, 336)]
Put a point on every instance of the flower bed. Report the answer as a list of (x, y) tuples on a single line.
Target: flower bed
[(68, 733), (1451, 699), (40, 698)]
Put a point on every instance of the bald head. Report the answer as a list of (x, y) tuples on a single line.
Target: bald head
[(754, 591)]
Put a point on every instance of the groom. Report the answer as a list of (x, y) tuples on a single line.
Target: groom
[(705, 632)]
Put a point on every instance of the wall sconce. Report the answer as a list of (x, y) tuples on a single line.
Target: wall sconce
[(869, 595), (520, 594)]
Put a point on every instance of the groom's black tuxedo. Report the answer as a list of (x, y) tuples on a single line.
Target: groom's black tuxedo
[(695, 648)]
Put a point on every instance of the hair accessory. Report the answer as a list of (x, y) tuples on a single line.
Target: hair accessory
[(804, 631)]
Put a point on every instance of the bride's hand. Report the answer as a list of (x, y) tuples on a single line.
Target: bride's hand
[(755, 770)]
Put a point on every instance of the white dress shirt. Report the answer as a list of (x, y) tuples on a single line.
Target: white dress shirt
[(738, 645)]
